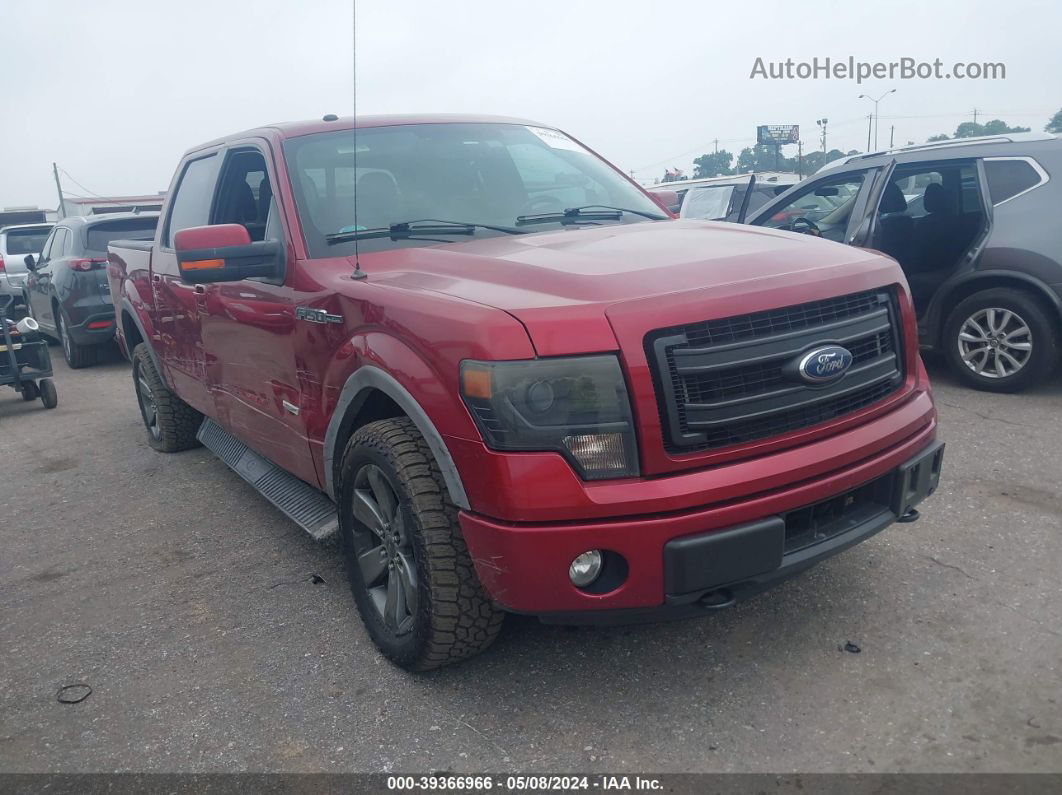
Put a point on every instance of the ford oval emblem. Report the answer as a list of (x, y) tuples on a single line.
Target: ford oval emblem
[(824, 365)]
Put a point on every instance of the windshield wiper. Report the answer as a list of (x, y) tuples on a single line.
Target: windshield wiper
[(588, 212), (423, 226)]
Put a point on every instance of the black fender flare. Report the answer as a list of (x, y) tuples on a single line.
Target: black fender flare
[(354, 393), (127, 307), (937, 315)]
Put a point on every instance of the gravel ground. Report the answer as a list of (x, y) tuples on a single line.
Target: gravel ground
[(188, 604)]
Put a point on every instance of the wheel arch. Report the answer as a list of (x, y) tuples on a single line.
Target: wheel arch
[(961, 289), (371, 393), (133, 333)]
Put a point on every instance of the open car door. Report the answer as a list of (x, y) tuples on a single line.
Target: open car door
[(866, 229), (745, 201)]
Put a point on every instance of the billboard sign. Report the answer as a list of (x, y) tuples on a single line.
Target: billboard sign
[(777, 134)]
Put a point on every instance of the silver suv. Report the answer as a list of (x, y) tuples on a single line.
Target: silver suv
[(974, 225), (15, 243)]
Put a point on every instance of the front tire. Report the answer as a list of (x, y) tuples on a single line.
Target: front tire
[(76, 355), (1001, 340), (170, 422), (410, 572)]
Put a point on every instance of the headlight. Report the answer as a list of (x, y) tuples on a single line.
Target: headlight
[(576, 406)]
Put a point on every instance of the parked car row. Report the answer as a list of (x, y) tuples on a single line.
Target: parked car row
[(972, 223), (59, 273), (725, 198)]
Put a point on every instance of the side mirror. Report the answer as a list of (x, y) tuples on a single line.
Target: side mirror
[(31, 262), (225, 253)]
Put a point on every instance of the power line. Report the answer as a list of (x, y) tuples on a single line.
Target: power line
[(91, 193)]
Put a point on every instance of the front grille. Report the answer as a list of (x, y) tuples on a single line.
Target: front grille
[(731, 381)]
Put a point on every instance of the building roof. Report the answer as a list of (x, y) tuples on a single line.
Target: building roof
[(143, 199), (92, 220)]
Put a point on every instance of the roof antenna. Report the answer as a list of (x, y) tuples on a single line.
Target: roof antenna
[(358, 272)]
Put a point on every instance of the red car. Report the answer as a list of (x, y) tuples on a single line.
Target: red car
[(511, 381)]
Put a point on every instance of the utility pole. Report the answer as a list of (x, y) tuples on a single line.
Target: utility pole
[(822, 124), (892, 135), (800, 159), (59, 188), (716, 142), (870, 126), (975, 112)]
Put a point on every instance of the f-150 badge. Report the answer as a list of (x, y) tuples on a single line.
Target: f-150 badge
[(316, 315)]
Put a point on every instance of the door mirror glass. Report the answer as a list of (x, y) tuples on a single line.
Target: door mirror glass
[(31, 262), (225, 253)]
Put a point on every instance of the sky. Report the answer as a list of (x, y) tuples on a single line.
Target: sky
[(114, 92)]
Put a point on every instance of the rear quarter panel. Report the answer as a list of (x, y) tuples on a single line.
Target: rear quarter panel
[(129, 280)]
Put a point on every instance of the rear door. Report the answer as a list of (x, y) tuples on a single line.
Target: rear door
[(248, 325), (180, 343)]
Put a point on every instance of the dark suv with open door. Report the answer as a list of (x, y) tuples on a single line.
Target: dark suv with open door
[(974, 225)]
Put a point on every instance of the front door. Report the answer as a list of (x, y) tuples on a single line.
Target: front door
[(248, 326), (177, 303), (39, 281), (829, 207)]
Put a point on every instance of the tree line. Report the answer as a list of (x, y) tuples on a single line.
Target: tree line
[(764, 158)]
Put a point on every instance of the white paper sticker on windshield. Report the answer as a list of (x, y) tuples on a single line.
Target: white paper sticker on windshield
[(556, 139)]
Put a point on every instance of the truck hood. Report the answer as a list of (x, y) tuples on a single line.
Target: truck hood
[(564, 286)]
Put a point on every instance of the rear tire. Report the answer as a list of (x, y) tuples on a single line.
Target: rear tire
[(440, 612), (76, 355), (170, 422), (1001, 340), (49, 397)]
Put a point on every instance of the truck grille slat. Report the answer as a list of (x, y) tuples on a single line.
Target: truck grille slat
[(730, 381)]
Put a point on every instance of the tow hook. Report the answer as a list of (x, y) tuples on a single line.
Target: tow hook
[(717, 600), (912, 515)]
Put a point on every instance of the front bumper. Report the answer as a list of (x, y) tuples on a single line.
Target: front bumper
[(683, 563)]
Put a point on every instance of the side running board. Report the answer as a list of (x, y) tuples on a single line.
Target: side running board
[(301, 502)]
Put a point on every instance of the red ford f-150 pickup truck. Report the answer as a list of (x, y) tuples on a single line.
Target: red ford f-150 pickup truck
[(511, 381)]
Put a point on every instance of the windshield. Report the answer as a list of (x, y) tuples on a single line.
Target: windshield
[(26, 241), (480, 174)]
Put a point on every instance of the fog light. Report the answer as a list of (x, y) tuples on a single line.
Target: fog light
[(599, 452), (585, 568)]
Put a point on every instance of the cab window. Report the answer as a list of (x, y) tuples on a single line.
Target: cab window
[(245, 195), (191, 203)]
